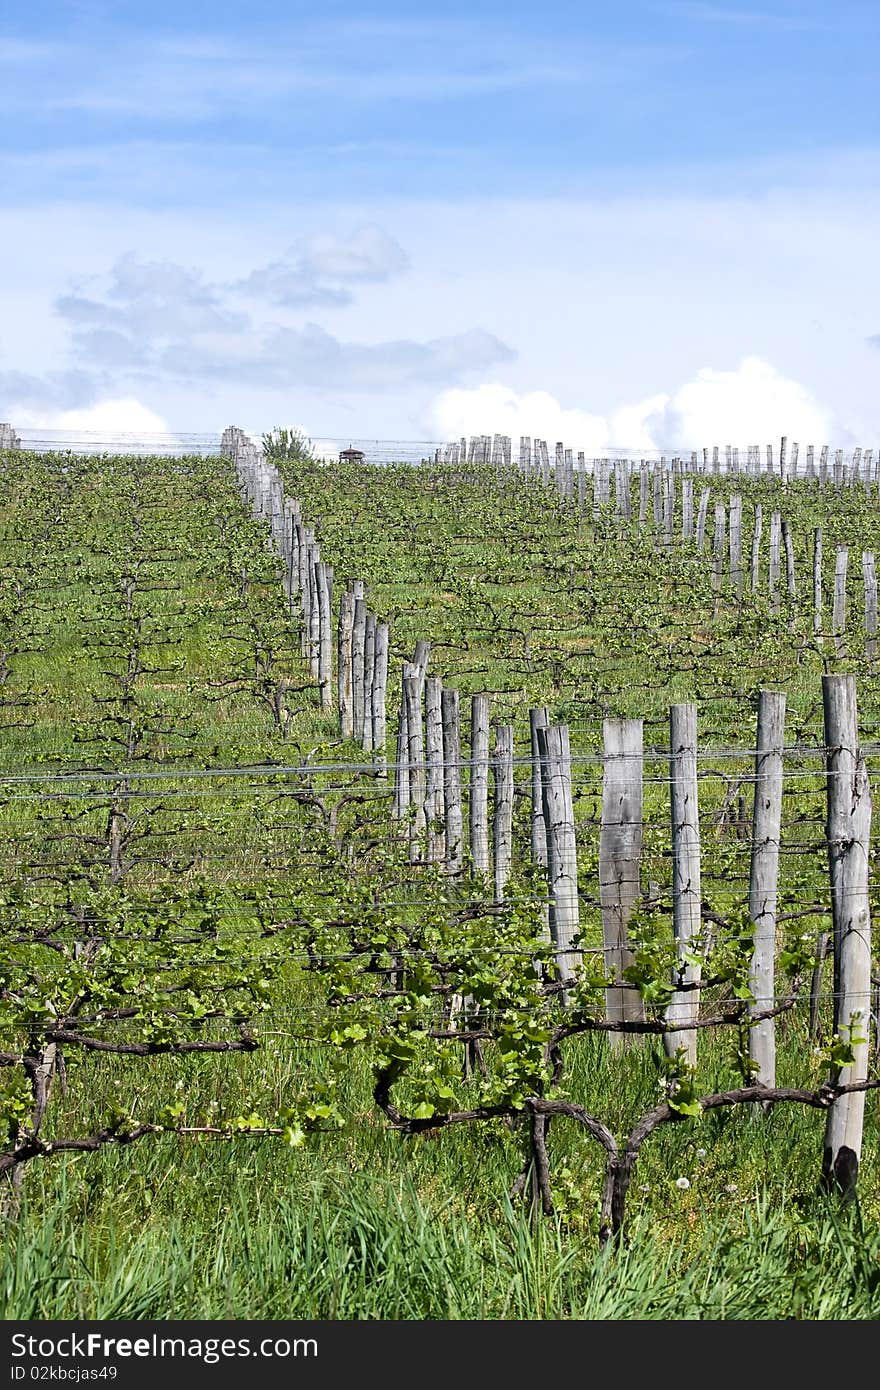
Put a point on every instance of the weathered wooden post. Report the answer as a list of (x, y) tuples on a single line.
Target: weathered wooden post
[(344, 664), (838, 613), (454, 826), (479, 788), (790, 583), (686, 917), (736, 571), (502, 839), (687, 509), (719, 546), (763, 880), (358, 651), (818, 619), (869, 574), (620, 849), (324, 586), (378, 700), (434, 800), (553, 743), (756, 547), (369, 677), (413, 681), (702, 511), (775, 537), (849, 831)]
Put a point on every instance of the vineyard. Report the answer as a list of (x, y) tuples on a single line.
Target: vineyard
[(441, 889)]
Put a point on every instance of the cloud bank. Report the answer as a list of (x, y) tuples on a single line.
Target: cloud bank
[(752, 404)]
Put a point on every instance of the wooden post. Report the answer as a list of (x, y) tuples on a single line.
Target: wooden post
[(435, 810), (736, 571), (502, 769), (687, 509), (788, 546), (763, 879), (369, 677), (823, 465), (620, 849), (324, 585), (686, 918), (343, 664), (756, 547), (401, 785), (775, 538), (413, 682), (838, 615), (449, 706), (479, 789), (849, 831), (719, 545), (869, 574), (818, 620), (314, 613), (643, 494), (538, 719), (358, 646), (378, 699), (702, 510), (553, 743)]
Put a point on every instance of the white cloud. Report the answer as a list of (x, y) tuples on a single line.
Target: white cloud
[(368, 254), (753, 404), (123, 420)]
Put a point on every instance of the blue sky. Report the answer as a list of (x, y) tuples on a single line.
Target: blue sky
[(635, 222)]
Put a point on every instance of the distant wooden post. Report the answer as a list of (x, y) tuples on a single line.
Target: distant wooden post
[(369, 677), (620, 848), (434, 785), (763, 880), (823, 465), (849, 831), (838, 615), (502, 838), (686, 917), (479, 788), (869, 574), (449, 705), (553, 743)]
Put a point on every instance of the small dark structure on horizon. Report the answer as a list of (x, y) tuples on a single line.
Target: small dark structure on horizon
[(351, 455)]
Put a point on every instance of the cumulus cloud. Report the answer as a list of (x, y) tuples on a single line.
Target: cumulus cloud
[(752, 404), (151, 299), (124, 415), (166, 320), (291, 287), (300, 279), (368, 254)]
